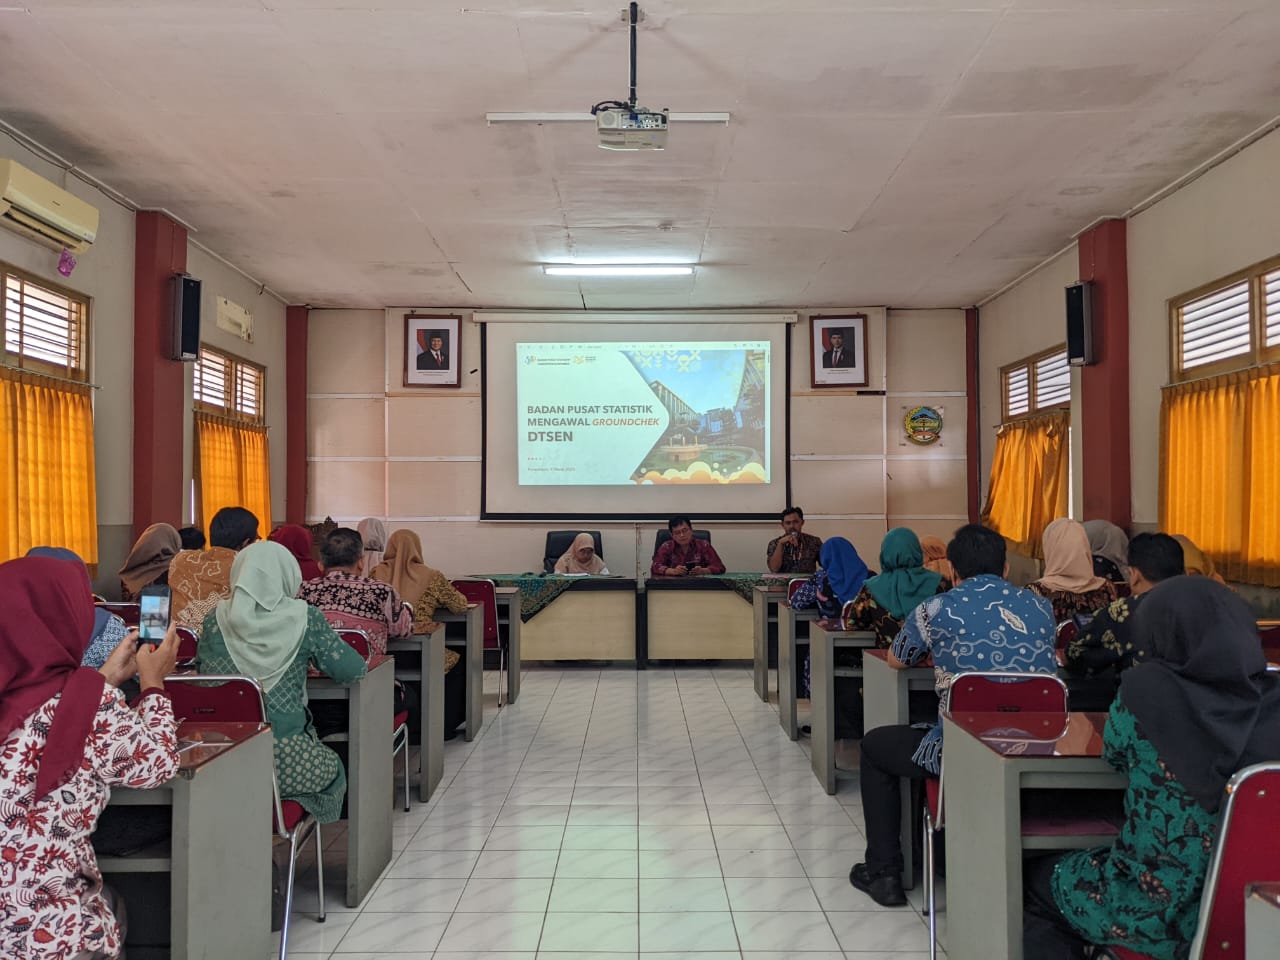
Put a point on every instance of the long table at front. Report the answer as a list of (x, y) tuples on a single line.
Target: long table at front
[(987, 766), (369, 777), (219, 854)]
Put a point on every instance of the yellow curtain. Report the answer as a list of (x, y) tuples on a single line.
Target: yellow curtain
[(233, 468), (1028, 480), (48, 493), (1219, 473)]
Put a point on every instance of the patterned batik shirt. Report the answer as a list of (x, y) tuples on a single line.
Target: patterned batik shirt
[(1106, 643), (983, 624), (359, 603), (51, 903), (799, 557), (1143, 892), (198, 579), (699, 553), (1067, 605)]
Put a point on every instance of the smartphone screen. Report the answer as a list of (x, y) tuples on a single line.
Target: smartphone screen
[(153, 614)]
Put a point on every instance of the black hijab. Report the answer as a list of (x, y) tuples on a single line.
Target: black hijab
[(1203, 696)]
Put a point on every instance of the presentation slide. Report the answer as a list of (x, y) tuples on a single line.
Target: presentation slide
[(639, 412), (634, 416)]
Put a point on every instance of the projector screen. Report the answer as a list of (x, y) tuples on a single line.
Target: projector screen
[(620, 417)]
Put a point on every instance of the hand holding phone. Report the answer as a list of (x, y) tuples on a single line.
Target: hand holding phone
[(153, 614)]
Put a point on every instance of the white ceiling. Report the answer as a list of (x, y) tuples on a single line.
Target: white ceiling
[(899, 152)]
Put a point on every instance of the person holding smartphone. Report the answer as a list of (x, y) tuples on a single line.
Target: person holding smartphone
[(66, 738)]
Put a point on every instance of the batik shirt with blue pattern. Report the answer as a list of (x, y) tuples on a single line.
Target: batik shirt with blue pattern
[(983, 624)]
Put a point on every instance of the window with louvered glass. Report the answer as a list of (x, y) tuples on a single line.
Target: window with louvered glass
[(1040, 382), (1017, 391), (1271, 308), (1216, 326), (45, 330), (1053, 380), (229, 386)]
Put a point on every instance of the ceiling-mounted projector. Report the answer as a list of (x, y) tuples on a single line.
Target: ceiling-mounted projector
[(622, 127)]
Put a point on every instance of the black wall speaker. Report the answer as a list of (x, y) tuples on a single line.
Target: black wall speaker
[(1080, 324), (185, 295)]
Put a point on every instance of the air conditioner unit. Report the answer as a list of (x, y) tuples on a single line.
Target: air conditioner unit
[(46, 213)]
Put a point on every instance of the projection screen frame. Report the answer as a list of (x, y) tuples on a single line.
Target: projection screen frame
[(630, 516)]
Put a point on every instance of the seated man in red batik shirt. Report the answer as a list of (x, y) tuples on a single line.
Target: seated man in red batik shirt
[(684, 555)]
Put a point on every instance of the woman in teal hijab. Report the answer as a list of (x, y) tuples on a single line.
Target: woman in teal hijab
[(903, 583)]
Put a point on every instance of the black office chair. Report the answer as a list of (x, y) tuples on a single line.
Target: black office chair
[(665, 535), (559, 541)]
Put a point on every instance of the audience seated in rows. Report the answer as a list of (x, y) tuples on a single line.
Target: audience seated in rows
[(1198, 708), (199, 579), (685, 555), (1068, 581), (373, 534), (108, 629), (192, 538), (148, 562), (297, 540), (66, 738), (840, 576), (1106, 643), (353, 601), (1109, 547), (581, 558), (263, 631), (982, 622)]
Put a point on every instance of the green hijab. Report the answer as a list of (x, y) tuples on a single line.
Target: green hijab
[(903, 582), (262, 624)]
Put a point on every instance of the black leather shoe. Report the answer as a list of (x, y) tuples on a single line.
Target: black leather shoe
[(885, 889)]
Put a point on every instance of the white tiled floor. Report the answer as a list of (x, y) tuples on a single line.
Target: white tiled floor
[(657, 814)]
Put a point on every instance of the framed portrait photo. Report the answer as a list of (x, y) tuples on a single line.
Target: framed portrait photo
[(432, 348), (838, 350)]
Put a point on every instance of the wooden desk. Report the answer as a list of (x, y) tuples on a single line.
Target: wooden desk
[(429, 675), (508, 599), (595, 618), (788, 664), (472, 660), (219, 856), (695, 618), (822, 694), (370, 781), (886, 694), (764, 611), (987, 766)]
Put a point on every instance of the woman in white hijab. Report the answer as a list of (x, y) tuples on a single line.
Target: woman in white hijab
[(1110, 550), (262, 631), (580, 559), (374, 534)]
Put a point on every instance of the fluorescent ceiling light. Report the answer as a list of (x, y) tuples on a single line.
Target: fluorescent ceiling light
[(618, 270)]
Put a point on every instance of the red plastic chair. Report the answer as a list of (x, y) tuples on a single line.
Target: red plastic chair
[(188, 644), (984, 692), (794, 585), (358, 641), (484, 593), (130, 613), (235, 699), (1067, 631), (1247, 851), (1269, 635)]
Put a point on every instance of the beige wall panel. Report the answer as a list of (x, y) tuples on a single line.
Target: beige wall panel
[(1225, 221), (345, 428), (699, 625), (865, 535), (439, 425), (838, 486), (433, 489), (577, 625), (346, 351), (926, 350), (831, 422), (943, 529), (467, 547), (926, 487), (346, 491)]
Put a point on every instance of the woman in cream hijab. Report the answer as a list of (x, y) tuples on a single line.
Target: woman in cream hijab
[(374, 535), (581, 558), (1196, 560), (262, 631), (1069, 582)]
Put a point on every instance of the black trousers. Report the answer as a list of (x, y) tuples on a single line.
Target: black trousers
[(1046, 934), (886, 759)]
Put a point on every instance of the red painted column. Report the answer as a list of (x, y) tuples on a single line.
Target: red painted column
[(973, 426), (160, 250), (295, 387), (1104, 386)]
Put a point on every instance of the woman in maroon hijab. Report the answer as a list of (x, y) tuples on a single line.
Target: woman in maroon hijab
[(297, 540), (66, 738)]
